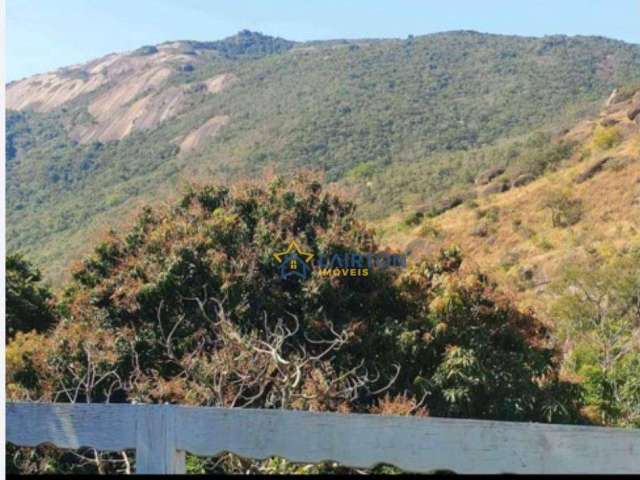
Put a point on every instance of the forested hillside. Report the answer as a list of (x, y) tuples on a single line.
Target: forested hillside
[(396, 122)]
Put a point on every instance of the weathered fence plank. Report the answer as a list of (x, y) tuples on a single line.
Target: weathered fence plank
[(156, 447), (411, 443), (162, 433), (66, 425)]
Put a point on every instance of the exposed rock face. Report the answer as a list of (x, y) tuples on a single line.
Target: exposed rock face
[(129, 91), (219, 82), (197, 137), (117, 112), (48, 91), (634, 112)]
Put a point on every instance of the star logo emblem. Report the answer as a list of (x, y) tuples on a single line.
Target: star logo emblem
[(294, 261)]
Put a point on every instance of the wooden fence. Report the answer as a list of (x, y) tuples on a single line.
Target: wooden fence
[(161, 434)]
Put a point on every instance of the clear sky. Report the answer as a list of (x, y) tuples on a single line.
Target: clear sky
[(42, 35)]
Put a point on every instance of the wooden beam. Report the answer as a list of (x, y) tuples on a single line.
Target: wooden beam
[(162, 433), (156, 434), (108, 427), (415, 444)]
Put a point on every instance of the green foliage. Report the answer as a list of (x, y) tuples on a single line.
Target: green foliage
[(247, 43), (605, 138), (145, 50), (362, 170), (414, 219), (597, 313), (491, 214), (565, 210), (28, 301), (544, 243), (540, 154)]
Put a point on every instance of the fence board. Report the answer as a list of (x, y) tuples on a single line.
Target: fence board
[(411, 443), (66, 425), (161, 434), (156, 433)]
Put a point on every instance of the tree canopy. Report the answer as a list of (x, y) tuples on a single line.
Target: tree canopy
[(28, 300)]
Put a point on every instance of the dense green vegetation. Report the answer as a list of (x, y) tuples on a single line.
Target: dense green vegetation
[(188, 307), (246, 44), (27, 300), (401, 122), (446, 179), (598, 314)]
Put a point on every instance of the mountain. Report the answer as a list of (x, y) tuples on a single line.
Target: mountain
[(527, 232), (397, 123)]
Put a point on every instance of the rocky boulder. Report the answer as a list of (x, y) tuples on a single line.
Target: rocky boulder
[(447, 204), (522, 180), (496, 187), (485, 177), (609, 122), (592, 170), (634, 112)]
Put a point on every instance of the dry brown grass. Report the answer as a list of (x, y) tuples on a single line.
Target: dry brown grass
[(520, 247)]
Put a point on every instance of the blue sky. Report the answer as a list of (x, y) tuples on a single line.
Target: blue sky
[(42, 35)]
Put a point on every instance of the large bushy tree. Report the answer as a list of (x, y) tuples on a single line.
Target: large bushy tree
[(188, 307)]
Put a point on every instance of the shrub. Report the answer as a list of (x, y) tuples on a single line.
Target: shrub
[(414, 219), (472, 204), (565, 210), (545, 244), (605, 138), (429, 229), (491, 214), (509, 259)]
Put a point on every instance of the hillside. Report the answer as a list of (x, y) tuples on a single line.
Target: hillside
[(395, 122), (530, 234)]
